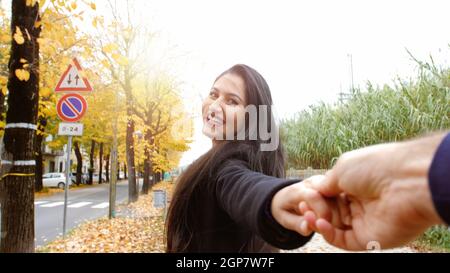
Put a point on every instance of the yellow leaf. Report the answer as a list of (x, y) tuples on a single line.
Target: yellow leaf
[(37, 24), (22, 60), (31, 3), (94, 23), (93, 6), (18, 37), (74, 5), (41, 41), (45, 92), (22, 74), (42, 3), (4, 90), (105, 63), (3, 80), (120, 59), (110, 47), (5, 38)]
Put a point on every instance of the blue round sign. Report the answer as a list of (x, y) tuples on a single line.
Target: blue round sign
[(71, 107)]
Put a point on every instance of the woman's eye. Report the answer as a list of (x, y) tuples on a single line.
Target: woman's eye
[(232, 102)]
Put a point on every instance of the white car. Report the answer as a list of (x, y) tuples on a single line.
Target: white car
[(95, 178), (55, 180)]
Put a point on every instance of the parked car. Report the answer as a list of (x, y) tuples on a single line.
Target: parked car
[(85, 177), (74, 178), (95, 178), (55, 180)]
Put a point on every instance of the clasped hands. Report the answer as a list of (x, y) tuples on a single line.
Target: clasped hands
[(366, 198)]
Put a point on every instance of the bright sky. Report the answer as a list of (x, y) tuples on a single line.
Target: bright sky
[(300, 47)]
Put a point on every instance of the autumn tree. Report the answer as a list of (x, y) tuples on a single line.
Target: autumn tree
[(18, 168), (156, 103), (121, 47)]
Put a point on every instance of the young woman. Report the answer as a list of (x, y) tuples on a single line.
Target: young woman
[(234, 198)]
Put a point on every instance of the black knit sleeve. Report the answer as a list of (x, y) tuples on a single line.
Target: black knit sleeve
[(246, 197)]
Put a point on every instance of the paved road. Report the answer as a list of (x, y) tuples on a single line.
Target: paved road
[(83, 204)]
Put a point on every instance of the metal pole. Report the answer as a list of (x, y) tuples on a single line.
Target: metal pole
[(112, 184), (69, 148)]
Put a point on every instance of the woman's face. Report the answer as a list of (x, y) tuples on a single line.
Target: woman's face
[(224, 106)]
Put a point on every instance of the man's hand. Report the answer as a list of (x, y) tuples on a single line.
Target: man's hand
[(386, 186)]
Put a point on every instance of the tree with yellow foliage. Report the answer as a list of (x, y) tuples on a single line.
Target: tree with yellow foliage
[(157, 105), (18, 165), (120, 55)]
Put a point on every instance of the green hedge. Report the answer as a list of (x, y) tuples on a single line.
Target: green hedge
[(317, 136)]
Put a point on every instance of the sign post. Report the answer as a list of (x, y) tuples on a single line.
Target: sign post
[(112, 184), (66, 188), (71, 108)]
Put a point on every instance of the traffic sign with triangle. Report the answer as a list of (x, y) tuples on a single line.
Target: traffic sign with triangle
[(73, 80)]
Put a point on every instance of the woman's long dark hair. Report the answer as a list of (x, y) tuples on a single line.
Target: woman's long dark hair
[(179, 227)]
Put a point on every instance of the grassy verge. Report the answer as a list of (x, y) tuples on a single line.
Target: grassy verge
[(435, 239)]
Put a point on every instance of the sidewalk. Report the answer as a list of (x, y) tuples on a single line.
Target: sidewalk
[(137, 228)]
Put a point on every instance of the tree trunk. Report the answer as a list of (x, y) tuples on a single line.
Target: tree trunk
[(118, 171), (91, 163), (125, 174), (17, 219), (132, 186), (100, 162), (132, 193), (2, 109), (38, 186), (107, 167), (76, 147), (146, 183), (154, 178), (148, 168)]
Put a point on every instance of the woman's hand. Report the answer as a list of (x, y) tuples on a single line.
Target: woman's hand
[(293, 203)]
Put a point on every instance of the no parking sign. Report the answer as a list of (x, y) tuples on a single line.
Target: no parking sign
[(71, 107)]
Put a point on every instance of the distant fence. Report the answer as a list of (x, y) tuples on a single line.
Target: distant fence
[(303, 174)]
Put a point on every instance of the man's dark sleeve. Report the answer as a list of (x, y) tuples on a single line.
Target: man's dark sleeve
[(246, 197), (439, 179)]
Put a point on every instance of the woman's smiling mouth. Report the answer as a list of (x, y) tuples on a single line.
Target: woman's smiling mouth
[(214, 121)]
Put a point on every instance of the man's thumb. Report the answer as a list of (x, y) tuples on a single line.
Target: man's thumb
[(329, 185)]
